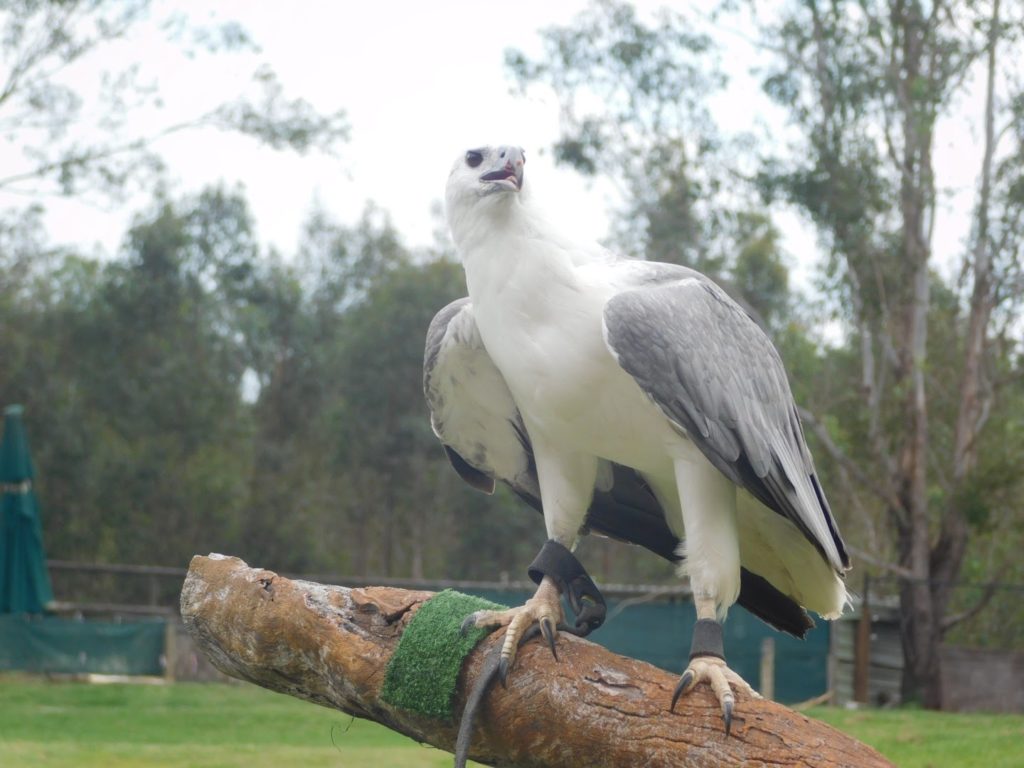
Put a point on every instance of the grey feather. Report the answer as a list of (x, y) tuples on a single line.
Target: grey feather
[(471, 408), (717, 377)]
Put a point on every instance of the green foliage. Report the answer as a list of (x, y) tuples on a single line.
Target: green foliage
[(146, 385), (758, 273), (196, 394), (279, 122), (78, 143), (867, 84), (633, 97)]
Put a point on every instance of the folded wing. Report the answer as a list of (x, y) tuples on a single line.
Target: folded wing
[(719, 380)]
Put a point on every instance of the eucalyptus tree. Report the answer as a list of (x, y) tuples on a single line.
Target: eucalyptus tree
[(868, 85)]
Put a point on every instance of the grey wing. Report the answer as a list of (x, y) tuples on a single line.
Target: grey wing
[(717, 377), (471, 408)]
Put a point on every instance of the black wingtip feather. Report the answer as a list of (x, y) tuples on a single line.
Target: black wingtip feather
[(830, 519), (469, 473), (771, 606)]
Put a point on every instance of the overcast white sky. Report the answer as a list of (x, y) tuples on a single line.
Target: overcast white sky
[(420, 82)]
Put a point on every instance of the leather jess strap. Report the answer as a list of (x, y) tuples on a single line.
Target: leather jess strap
[(557, 562), (707, 639)]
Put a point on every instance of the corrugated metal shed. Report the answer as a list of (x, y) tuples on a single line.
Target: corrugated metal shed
[(885, 669)]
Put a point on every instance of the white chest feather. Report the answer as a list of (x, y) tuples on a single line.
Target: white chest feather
[(540, 317)]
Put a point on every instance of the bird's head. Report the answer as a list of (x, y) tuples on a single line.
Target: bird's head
[(485, 176)]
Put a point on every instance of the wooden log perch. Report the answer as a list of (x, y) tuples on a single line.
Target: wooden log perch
[(331, 645)]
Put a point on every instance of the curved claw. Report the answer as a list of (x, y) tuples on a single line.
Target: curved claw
[(483, 682), (681, 687), (490, 671), (713, 671), (548, 630), (503, 666), (467, 624)]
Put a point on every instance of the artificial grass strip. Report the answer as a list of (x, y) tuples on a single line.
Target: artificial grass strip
[(424, 670)]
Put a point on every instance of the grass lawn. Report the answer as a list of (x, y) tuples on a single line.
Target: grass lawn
[(74, 725), (65, 725), (914, 738)]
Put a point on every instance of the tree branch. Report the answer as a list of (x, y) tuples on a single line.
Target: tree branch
[(331, 645), (885, 565), (948, 622)]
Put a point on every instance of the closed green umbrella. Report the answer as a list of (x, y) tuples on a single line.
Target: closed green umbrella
[(24, 580)]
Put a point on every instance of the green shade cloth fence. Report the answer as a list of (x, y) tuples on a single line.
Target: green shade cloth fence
[(24, 580), (52, 645)]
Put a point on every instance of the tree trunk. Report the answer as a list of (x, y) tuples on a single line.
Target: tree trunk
[(975, 395), (921, 641), (921, 637), (331, 645)]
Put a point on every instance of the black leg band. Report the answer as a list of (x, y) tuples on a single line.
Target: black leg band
[(707, 639), (568, 573)]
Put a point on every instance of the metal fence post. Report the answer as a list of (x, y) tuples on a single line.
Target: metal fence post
[(170, 648), (768, 668), (862, 647)]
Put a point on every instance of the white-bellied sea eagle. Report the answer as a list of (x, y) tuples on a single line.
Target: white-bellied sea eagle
[(632, 399)]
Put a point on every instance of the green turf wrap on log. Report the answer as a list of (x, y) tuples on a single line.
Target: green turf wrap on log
[(424, 670)]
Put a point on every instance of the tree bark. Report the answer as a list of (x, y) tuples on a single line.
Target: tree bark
[(919, 620), (331, 645), (975, 392)]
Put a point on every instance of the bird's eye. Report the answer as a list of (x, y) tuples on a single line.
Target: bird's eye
[(473, 159)]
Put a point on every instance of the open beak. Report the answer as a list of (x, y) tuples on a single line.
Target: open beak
[(510, 174)]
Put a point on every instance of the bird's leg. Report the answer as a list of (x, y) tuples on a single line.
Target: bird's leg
[(708, 504), (543, 609), (707, 664), (555, 570)]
